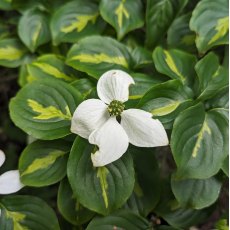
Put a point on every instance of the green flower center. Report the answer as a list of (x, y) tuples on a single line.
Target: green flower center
[(115, 108)]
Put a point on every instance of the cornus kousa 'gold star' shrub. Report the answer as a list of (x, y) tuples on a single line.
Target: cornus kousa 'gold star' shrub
[(106, 123), (114, 114)]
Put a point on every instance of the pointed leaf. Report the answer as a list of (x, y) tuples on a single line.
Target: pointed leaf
[(123, 15), (199, 142), (33, 29), (175, 63), (179, 34), (212, 77), (210, 22), (159, 16), (101, 189)]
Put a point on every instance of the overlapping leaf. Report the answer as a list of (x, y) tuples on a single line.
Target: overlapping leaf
[(96, 55), (44, 109), (159, 16), (166, 100), (175, 63), (141, 57), (33, 28), (143, 83), (43, 162), (199, 142), (213, 78), (123, 15), (146, 192), (69, 207), (196, 193), (102, 189), (119, 220), (74, 20), (179, 34), (26, 212), (50, 66), (210, 22), (85, 86), (12, 52)]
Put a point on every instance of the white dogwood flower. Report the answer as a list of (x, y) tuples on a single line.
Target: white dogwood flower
[(98, 121), (10, 180)]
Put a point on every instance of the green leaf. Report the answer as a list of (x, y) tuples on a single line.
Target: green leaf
[(90, 56), (43, 163), (210, 22), (159, 16), (5, 4), (179, 34), (225, 166), (141, 57), (12, 52), (166, 100), (196, 193), (199, 142), (26, 212), (69, 207), (183, 218), (146, 192), (121, 219), (212, 77), (33, 28), (75, 20), (123, 15), (142, 84), (44, 109), (221, 99), (222, 224), (166, 227), (4, 30), (175, 63), (177, 217), (102, 189), (50, 66), (84, 86), (22, 5)]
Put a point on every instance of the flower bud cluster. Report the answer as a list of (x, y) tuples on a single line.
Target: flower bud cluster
[(115, 108)]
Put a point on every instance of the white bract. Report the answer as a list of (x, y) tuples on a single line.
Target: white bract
[(9, 181), (98, 121)]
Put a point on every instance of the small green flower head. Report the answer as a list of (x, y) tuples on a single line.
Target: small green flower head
[(115, 108)]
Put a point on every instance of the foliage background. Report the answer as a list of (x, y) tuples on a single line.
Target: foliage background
[(177, 53)]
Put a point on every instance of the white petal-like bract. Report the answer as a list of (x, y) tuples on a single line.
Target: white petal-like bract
[(114, 85), (89, 115), (112, 142), (142, 130), (10, 182), (2, 157)]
